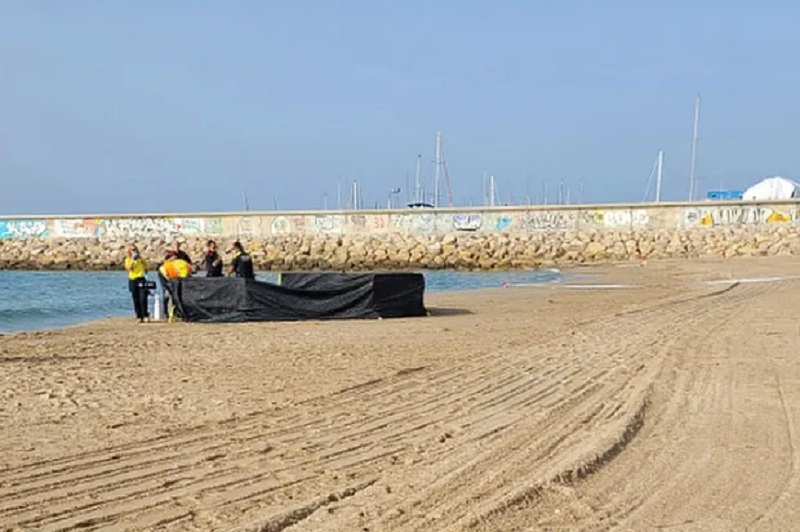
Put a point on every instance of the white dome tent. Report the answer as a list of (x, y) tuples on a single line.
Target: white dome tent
[(772, 188)]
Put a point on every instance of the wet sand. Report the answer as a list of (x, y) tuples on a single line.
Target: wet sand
[(674, 404)]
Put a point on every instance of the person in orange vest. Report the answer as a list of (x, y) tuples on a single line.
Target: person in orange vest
[(174, 267)]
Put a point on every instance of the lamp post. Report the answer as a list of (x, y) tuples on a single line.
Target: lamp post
[(392, 192)]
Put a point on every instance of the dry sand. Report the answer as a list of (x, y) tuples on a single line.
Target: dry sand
[(669, 406)]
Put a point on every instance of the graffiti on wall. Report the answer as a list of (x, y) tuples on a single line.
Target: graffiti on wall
[(548, 220), (245, 227), (503, 223), (414, 223), (23, 229), (144, 227), (135, 227), (198, 226), (212, 226), (379, 222), (735, 215), (328, 223), (358, 221), (618, 218), (298, 224), (280, 226), (467, 222), (76, 228), (401, 222), (138, 227)]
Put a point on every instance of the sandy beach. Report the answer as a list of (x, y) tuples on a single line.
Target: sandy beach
[(672, 404)]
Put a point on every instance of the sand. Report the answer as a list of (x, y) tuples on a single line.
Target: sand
[(674, 405)]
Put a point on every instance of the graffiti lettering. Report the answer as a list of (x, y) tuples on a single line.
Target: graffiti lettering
[(548, 221), (76, 228), (190, 226), (138, 227), (734, 215), (414, 223), (379, 222), (623, 218), (328, 224), (467, 222), (23, 229)]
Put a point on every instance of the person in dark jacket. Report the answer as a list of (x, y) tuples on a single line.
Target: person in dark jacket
[(179, 248), (242, 263), (213, 262)]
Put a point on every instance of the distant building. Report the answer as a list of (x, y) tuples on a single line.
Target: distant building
[(773, 188)]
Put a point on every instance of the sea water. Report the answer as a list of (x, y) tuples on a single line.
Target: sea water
[(46, 300)]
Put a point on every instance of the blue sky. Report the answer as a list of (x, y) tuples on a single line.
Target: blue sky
[(179, 105)]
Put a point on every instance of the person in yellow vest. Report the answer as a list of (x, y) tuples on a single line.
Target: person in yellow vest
[(136, 267)]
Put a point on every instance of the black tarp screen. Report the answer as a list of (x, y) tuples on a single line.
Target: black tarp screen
[(310, 296)]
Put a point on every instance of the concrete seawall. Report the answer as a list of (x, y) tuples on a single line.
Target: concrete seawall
[(485, 238)]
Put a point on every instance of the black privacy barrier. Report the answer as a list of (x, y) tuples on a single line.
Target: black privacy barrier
[(307, 296)]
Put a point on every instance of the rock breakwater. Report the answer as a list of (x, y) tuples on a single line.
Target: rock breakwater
[(413, 251)]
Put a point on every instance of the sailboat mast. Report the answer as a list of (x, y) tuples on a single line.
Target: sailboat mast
[(658, 175), (694, 148), (485, 188), (438, 165), (417, 184), (446, 178)]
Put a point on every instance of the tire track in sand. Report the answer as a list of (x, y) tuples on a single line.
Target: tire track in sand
[(515, 469), (185, 479), (719, 449)]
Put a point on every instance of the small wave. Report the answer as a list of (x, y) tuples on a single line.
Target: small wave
[(26, 313)]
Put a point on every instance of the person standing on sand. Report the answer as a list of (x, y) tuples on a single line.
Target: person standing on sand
[(136, 267), (213, 262), (173, 267), (242, 263)]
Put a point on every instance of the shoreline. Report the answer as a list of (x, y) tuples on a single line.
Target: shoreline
[(613, 275), (122, 314)]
